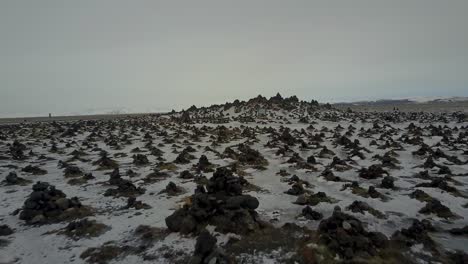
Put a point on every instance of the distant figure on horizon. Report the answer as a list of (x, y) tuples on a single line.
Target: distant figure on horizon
[(50, 115)]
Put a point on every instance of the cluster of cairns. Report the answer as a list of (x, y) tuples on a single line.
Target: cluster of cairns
[(220, 204), (46, 204)]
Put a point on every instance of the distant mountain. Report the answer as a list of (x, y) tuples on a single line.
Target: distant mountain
[(414, 100)]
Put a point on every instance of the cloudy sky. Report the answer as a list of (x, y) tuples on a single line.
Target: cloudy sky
[(83, 56)]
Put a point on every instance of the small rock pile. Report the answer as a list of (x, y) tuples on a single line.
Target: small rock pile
[(362, 207), (250, 156), (296, 189), (388, 182), (138, 205), (310, 214), (140, 159), (124, 187), (105, 163), (72, 171), (5, 230), (13, 179), (206, 251), (184, 157), (439, 183), (222, 205), (313, 199), (17, 150), (186, 175), (47, 204), (34, 170), (346, 236), (373, 172), (172, 189), (204, 165), (434, 206), (415, 234)]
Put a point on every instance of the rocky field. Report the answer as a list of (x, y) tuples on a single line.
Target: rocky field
[(274, 180)]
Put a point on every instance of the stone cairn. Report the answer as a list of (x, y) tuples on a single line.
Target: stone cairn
[(221, 204)]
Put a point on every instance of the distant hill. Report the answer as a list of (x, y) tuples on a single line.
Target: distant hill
[(415, 100)]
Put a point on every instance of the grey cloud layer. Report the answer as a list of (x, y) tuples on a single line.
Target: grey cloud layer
[(70, 56)]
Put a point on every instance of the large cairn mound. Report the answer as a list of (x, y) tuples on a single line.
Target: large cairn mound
[(222, 205), (48, 205), (346, 236)]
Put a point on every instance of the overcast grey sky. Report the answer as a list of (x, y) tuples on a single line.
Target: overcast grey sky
[(72, 56)]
